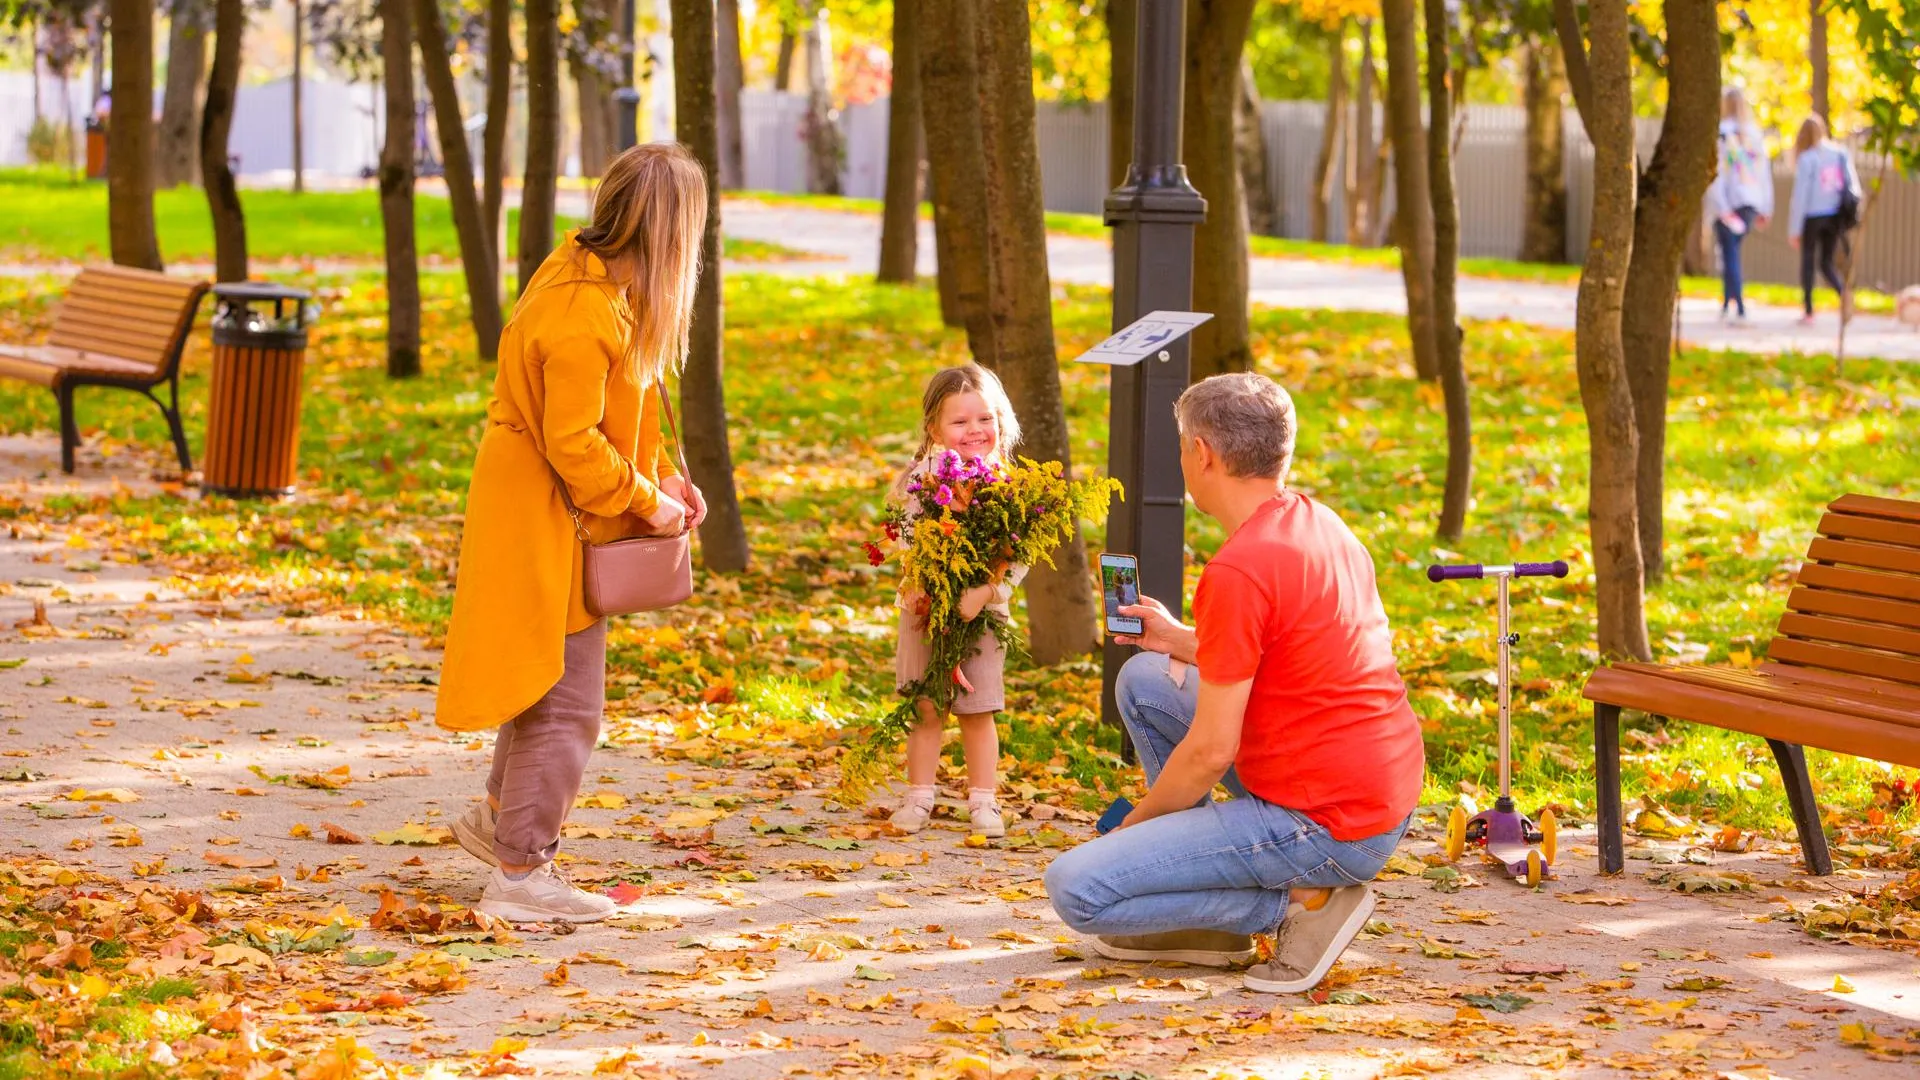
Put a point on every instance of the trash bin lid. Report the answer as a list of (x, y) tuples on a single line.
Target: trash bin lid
[(258, 290)]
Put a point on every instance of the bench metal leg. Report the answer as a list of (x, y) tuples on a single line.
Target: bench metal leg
[(172, 413), (1606, 772), (1806, 813), (69, 431)]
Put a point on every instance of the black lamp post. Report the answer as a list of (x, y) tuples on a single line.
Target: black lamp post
[(1153, 215), (626, 100)]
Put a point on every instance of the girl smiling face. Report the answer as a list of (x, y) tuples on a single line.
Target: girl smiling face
[(968, 426)]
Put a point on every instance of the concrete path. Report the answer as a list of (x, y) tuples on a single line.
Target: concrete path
[(853, 240), (767, 932)]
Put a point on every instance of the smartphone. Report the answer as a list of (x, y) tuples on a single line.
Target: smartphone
[(1115, 814), (1120, 587)]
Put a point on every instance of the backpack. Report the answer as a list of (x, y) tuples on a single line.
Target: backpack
[(1848, 212)]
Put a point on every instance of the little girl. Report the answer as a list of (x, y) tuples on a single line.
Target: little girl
[(964, 410)]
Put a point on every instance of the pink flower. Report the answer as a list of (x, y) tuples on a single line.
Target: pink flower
[(944, 495)]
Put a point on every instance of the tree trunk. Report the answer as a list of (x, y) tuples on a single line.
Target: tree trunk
[(1413, 207), (1216, 33), (396, 190), (732, 77), (493, 139), (703, 398), (956, 168), (1326, 165), (1123, 41), (1362, 164), (1446, 263), (1665, 213), (1063, 618), (476, 250), (216, 122), (1606, 105), (1250, 147), (1544, 238), (176, 161), (298, 87), (543, 136), (593, 91), (783, 62), (826, 152), (130, 228), (1817, 59), (900, 213)]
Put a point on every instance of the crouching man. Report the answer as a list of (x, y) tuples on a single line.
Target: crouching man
[(1284, 690)]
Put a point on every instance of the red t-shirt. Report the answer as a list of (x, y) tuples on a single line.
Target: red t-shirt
[(1290, 602)]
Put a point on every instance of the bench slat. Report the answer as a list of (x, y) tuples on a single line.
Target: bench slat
[(1884, 530), (1864, 582), (1854, 606), (139, 352), (1879, 689), (103, 281), (159, 313), (1845, 658), (1875, 556), (1850, 632), (1876, 739), (1875, 506), (144, 337), (1776, 685)]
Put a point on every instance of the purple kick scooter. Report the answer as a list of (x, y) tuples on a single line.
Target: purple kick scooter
[(1509, 837)]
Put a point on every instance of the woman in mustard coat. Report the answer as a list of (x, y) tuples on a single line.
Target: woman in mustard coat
[(577, 398)]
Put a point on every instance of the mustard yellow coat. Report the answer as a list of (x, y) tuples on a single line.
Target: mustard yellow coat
[(561, 396)]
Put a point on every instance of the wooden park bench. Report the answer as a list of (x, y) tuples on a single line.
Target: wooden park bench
[(115, 327), (1843, 670)]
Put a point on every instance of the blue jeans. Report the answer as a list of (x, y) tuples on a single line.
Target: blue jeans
[(1219, 866), (1732, 287)]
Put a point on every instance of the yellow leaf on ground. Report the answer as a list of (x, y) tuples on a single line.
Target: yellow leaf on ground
[(601, 800), (117, 795), (890, 900), (1841, 985)]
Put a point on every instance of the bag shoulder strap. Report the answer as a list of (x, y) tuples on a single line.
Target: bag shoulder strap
[(679, 453)]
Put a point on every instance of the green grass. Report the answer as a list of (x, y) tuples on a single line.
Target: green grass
[(823, 383), (47, 216)]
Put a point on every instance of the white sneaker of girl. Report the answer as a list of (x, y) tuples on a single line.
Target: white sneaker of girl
[(915, 810), (983, 813)]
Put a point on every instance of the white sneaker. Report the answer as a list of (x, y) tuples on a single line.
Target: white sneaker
[(542, 896), (912, 816), (987, 820), (474, 830)]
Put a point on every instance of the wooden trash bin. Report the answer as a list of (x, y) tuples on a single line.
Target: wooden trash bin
[(253, 424)]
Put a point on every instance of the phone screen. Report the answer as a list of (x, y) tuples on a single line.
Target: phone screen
[(1120, 587)]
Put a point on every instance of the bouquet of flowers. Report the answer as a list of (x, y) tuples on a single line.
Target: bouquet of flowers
[(963, 524)]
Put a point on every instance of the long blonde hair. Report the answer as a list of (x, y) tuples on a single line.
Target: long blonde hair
[(649, 214), (1813, 132), (1734, 106)]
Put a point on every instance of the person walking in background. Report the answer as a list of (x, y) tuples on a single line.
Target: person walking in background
[(1826, 204), (1741, 196)]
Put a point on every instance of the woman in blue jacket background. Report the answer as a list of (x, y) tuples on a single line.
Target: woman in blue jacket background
[(1823, 175)]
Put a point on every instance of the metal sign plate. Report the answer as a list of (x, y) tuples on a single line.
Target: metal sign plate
[(1144, 338)]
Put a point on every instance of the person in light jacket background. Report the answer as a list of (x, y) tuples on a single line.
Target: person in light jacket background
[(1822, 174), (1740, 198)]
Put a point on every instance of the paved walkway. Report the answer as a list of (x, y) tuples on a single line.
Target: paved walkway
[(767, 932), (853, 241)]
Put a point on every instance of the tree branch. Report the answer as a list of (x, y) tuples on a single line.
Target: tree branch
[(1566, 22)]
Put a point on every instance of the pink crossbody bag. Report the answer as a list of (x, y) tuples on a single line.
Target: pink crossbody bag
[(639, 573)]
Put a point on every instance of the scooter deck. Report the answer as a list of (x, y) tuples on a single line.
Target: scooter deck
[(1513, 856)]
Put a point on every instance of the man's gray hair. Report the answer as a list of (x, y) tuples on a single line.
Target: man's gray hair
[(1246, 418)]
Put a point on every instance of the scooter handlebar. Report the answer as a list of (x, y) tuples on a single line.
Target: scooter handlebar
[(1443, 572)]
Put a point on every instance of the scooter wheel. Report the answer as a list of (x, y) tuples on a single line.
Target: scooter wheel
[(1536, 869), (1549, 837), (1456, 834)]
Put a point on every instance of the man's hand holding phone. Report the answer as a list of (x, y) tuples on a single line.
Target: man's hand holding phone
[(1159, 631)]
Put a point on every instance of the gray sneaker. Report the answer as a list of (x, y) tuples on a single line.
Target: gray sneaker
[(542, 896), (1206, 948), (474, 830), (1310, 941)]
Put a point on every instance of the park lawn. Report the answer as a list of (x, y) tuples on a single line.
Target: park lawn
[(1091, 227), (51, 217), (824, 378)]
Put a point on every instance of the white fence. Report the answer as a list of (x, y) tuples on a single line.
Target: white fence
[(1491, 167)]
